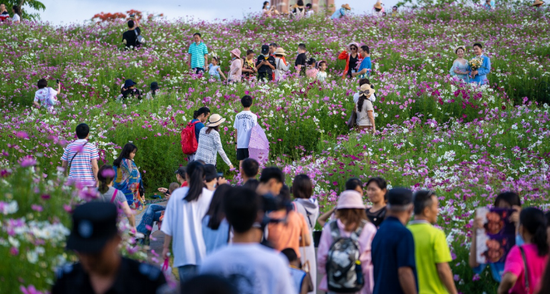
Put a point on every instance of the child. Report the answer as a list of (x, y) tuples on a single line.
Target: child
[(298, 275), (350, 217), (249, 66), (312, 70), (322, 74), (129, 89), (244, 122), (153, 92), (214, 69), (46, 96)]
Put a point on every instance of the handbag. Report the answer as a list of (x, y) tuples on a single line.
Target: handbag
[(352, 120), (525, 270)]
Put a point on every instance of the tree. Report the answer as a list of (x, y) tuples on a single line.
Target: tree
[(34, 4)]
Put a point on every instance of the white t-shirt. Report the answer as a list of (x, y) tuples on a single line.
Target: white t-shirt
[(252, 268), (16, 18), (321, 76), (183, 221), (310, 13), (46, 97), (372, 98), (244, 122)]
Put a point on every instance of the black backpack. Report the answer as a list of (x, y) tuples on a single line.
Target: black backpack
[(344, 271)]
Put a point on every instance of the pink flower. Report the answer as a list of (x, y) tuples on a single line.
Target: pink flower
[(22, 135), (14, 251), (37, 207), (108, 173), (30, 290), (28, 161), (45, 196)]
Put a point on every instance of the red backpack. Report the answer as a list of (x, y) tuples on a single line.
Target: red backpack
[(189, 142)]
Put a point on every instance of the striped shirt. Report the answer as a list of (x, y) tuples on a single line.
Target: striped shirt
[(197, 54), (81, 166), (209, 147)]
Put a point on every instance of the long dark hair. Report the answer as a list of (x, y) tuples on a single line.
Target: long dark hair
[(216, 209), (195, 172), (533, 220), (509, 197), (360, 102), (302, 187), (202, 110), (265, 4), (105, 175), (125, 154), (17, 10), (216, 128)]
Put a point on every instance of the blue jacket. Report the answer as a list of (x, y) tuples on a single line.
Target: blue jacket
[(481, 77)]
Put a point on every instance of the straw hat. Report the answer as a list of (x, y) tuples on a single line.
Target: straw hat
[(280, 51), (350, 200), (378, 5), (460, 47), (346, 6), (215, 120), (366, 90), (538, 3), (236, 52)]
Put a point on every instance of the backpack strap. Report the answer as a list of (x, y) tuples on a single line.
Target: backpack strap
[(114, 196), (525, 270), (334, 230), (355, 235)]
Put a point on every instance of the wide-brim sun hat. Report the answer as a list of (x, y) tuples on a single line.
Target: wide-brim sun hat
[(215, 120), (128, 83), (346, 6), (378, 5), (280, 51), (538, 3), (154, 86), (367, 90), (236, 52), (353, 44), (350, 199)]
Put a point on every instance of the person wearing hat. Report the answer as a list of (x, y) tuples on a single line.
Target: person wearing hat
[(393, 248), (340, 13), (236, 68), (352, 57), (282, 67), (265, 64), (460, 65), (101, 269), (153, 92), (365, 110), (129, 89), (378, 9), (351, 218), (538, 3), (210, 143)]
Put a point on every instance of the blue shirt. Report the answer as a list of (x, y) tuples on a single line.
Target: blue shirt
[(339, 13), (197, 54), (215, 239), (365, 64), (482, 72), (198, 128), (392, 248)]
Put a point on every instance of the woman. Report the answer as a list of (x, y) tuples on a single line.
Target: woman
[(340, 13), (365, 110), (352, 184), (378, 10), (505, 200), (235, 70), (182, 223), (376, 191), (460, 65), (249, 65), (302, 190), (299, 10), (525, 264), (281, 66), (153, 92), (353, 59), (107, 193), (269, 11), (350, 215), (215, 228), (16, 14), (210, 143), (154, 213), (128, 177)]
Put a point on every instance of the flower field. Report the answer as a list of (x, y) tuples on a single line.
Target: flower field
[(464, 142)]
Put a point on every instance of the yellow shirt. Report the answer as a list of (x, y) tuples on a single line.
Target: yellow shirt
[(430, 247)]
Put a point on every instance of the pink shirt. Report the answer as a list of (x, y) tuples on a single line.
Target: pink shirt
[(535, 265), (312, 72), (365, 241), (236, 70)]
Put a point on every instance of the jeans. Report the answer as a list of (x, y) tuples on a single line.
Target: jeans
[(150, 216), (198, 70), (187, 272)]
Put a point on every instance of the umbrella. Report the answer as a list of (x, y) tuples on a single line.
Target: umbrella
[(258, 148)]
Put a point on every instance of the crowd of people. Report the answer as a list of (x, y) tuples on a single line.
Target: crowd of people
[(258, 236)]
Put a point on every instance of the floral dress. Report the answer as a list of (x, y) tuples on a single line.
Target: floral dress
[(249, 64), (127, 179)]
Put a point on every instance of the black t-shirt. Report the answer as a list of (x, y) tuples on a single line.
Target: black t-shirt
[(132, 277), (131, 37), (353, 63), (377, 217), (265, 68), (301, 60)]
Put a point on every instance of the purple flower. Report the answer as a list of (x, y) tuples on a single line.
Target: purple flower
[(28, 161)]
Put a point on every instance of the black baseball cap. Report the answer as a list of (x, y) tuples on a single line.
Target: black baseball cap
[(210, 172), (265, 49), (400, 197), (94, 224), (181, 171)]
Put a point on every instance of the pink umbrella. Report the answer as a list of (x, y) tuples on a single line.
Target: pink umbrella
[(258, 148)]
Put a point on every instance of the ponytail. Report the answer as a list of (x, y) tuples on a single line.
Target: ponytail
[(360, 103), (202, 110), (533, 221), (195, 114), (105, 175), (195, 172)]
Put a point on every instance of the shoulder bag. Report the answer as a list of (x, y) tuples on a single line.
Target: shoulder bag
[(525, 270), (140, 39), (71, 162), (114, 196)]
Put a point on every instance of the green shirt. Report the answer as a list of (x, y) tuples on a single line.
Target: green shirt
[(430, 247), (197, 54)]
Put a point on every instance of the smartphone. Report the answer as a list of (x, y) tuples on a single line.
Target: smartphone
[(220, 175), (57, 81)]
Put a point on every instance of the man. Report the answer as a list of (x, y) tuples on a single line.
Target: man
[(366, 65), (244, 122), (272, 48), (431, 249), (198, 54), (129, 38), (200, 117), (251, 267), (80, 157), (249, 169), (4, 14), (479, 75), (301, 58), (393, 259), (271, 181), (101, 269), (265, 64)]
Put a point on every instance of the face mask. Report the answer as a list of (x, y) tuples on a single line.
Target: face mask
[(519, 240)]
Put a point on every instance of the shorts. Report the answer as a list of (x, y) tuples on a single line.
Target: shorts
[(242, 153), (198, 70)]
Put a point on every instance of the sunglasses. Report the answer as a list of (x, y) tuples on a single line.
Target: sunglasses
[(353, 48)]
